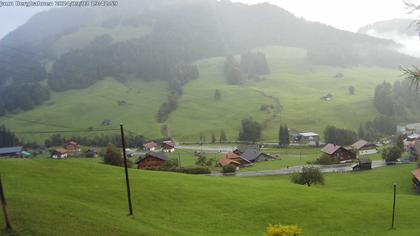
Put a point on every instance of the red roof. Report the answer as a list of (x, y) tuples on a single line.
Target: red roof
[(416, 173), (231, 155), (169, 144), (226, 162), (150, 145), (61, 150), (330, 149)]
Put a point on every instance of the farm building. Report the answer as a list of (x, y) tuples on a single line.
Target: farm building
[(242, 148), (11, 152), (338, 152), (91, 152), (232, 158), (363, 164), (363, 147), (152, 159), (150, 146), (253, 155), (409, 129), (309, 138), (168, 146), (72, 147), (59, 153)]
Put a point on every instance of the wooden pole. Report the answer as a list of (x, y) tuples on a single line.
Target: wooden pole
[(9, 227), (393, 207), (127, 180)]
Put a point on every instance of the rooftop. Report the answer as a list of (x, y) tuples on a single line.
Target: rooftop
[(10, 150)]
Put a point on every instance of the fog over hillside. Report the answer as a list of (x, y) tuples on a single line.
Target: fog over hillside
[(402, 31)]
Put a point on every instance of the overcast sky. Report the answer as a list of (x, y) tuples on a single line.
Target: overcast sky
[(343, 14)]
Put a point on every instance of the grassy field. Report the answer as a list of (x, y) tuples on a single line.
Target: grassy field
[(297, 84), (79, 197)]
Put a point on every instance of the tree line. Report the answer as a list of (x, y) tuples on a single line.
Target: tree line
[(251, 66)]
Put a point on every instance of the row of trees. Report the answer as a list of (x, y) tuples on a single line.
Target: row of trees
[(339, 136), (251, 66), (7, 137), (97, 141)]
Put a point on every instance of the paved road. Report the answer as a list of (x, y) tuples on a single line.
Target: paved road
[(206, 148), (325, 169)]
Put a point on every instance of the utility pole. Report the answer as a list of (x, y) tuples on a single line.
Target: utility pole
[(9, 227), (127, 180), (393, 207)]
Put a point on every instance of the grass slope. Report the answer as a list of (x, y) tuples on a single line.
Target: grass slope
[(81, 109), (76, 196), (293, 80)]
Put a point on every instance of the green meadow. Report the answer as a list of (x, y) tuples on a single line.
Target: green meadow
[(293, 81), (81, 197)]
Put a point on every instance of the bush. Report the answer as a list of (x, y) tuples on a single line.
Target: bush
[(229, 169), (326, 160), (308, 176), (391, 154), (113, 156), (283, 230), (197, 170)]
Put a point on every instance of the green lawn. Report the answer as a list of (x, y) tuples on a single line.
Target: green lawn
[(287, 157), (78, 197)]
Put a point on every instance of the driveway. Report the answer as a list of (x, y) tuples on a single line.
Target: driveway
[(324, 169)]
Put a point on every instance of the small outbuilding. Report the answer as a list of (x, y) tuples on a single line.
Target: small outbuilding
[(363, 164), (59, 153), (91, 152), (152, 159), (168, 146), (150, 146)]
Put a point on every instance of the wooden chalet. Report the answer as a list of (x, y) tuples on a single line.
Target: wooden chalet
[(363, 147), (168, 146), (152, 159), (150, 146), (72, 147), (338, 152), (59, 153)]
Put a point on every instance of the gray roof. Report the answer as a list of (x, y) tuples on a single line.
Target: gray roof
[(251, 154), (10, 150)]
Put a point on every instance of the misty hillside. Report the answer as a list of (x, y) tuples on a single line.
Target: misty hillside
[(402, 31), (74, 48), (400, 26)]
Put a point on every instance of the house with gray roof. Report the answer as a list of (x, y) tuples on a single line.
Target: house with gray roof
[(253, 155), (11, 152)]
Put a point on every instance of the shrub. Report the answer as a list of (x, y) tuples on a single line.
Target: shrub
[(283, 230), (197, 170), (113, 156), (326, 160), (391, 154), (229, 169), (308, 176)]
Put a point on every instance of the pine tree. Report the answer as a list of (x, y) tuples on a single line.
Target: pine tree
[(222, 137)]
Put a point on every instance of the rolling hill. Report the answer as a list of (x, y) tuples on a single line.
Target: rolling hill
[(82, 197), (166, 57)]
